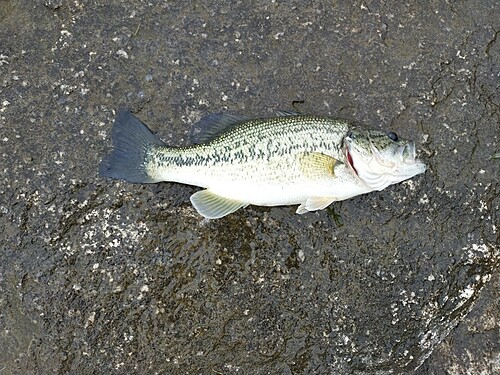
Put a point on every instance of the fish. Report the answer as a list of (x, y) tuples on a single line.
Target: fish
[(290, 159)]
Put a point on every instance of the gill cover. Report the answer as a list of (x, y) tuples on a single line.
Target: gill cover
[(381, 159)]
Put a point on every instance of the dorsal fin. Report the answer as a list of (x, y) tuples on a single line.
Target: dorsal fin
[(212, 125), (284, 113)]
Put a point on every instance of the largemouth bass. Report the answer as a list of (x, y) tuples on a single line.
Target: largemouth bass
[(291, 159)]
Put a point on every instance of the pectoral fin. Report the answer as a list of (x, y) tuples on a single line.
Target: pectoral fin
[(316, 165), (213, 206), (314, 204)]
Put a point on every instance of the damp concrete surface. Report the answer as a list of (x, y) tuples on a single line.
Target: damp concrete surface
[(106, 277)]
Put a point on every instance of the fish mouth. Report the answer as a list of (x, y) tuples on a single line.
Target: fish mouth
[(405, 153), (409, 159), (408, 152)]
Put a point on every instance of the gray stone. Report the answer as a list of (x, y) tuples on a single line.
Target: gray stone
[(99, 276)]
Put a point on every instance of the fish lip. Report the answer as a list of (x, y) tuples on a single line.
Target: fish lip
[(409, 157)]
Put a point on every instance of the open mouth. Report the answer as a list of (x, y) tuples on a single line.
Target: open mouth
[(408, 152)]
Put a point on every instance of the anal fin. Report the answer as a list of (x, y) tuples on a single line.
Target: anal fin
[(213, 206)]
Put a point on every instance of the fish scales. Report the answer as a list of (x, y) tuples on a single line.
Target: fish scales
[(291, 159), (249, 145)]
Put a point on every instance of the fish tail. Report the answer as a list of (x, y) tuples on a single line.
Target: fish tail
[(133, 143)]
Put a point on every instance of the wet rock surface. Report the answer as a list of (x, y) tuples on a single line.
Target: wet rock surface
[(100, 276)]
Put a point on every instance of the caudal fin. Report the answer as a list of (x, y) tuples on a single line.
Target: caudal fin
[(133, 142)]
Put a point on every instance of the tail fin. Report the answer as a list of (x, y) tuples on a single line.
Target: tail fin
[(132, 141)]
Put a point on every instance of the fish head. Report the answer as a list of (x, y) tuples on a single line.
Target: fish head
[(380, 158)]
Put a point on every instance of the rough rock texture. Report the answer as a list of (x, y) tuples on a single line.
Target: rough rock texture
[(99, 276)]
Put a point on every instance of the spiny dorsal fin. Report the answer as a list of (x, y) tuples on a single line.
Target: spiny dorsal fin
[(284, 113), (213, 206), (316, 165), (212, 125)]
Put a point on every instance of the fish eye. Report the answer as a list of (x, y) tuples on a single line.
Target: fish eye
[(393, 136)]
